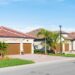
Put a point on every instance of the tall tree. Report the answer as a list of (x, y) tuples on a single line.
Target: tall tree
[(44, 34), (51, 39)]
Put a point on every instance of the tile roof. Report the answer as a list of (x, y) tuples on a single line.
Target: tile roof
[(35, 32), (7, 32), (71, 35)]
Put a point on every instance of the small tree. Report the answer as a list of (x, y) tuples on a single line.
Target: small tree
[(3, 49)]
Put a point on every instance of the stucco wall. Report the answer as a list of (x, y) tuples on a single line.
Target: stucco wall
[(38, 45), (18, 40)]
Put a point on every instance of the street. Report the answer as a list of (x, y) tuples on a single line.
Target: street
[(60, 68)]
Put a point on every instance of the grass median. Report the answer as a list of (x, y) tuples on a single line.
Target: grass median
[(14, 62)]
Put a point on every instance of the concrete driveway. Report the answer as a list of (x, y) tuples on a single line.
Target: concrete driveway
[(42, 58)]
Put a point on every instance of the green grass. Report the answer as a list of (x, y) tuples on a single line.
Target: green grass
[(64, 55), (69, 55), (14, 62)]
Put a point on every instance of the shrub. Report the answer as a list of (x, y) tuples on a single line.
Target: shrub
[(50, 51), (39, 51), (3, 49)]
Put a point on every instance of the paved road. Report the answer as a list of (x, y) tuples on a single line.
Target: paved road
[(61, 68)]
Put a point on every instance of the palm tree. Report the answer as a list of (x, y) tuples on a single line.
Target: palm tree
[(51, 39), (44, 33), (3, 48)]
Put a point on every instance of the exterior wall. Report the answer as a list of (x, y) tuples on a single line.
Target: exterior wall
[(63, 46), (58, 48), (38, 45), (74, 45), (19, 40), (64, 35), (70, 46), (16, 40), (66, 46)]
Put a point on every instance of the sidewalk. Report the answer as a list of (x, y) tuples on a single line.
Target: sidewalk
[(41, 58)]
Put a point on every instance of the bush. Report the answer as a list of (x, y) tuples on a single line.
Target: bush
[(39, 51), (50, 51), (43, 51)]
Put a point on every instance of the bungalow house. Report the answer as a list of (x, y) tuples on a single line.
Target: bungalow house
[(18, 42), (69, 42)]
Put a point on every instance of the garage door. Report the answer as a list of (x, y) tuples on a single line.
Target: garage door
[(13, 49), (66, 47), (27, 48)]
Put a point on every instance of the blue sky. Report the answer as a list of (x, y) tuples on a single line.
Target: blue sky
[(26, 15)]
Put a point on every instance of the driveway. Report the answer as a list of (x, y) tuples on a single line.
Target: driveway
[(42, 58)]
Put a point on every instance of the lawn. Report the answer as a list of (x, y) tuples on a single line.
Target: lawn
[(64, 55), (14, 62)]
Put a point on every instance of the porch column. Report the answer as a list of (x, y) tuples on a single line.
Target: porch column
[(32, 45), (21, 48), (71, 44), (63, 47)]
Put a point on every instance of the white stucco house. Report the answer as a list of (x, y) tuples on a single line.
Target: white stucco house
[(69, 42), (38, 41), (18, 42)]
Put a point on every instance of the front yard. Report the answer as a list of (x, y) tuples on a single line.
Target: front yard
[(65, 55), (14, 62), (52, 54)]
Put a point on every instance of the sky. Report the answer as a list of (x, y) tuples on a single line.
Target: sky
[(27, 15)]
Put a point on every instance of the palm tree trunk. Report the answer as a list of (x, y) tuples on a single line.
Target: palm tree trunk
[(45, 47)]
